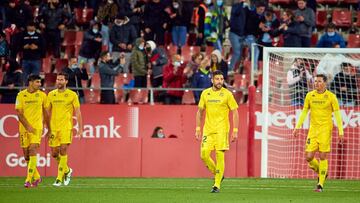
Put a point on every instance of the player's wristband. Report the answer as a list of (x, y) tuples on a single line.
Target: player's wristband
[(235, 130), (197, 128)]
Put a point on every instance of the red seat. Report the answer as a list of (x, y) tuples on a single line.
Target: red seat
[(326, 1), (50, 80), (354, 41), (358, 19), (341, 18), (46, 65), (350, 1), (83, 16), (321, 18), (120, 80), (60, 64), (280, 1), (314, 39), (69, 38), (188, 97), (138, 96), (241, 81), (79, 38), (92, 95)]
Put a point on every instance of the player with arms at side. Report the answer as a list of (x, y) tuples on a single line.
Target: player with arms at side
[(321, 103), (217, 102), (61, 105), (30, 104)]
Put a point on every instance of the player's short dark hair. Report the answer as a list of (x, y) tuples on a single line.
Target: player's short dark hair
[(66, 76), (323, 76), (217, 72), (33, 77)]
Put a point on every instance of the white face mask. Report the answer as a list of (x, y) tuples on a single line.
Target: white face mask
[(95, 30), (176, 5), (160, 135), (177, 64), (31, 33), (207, 2), (110, 1), (141, 47), (331, 34), (73, 66)]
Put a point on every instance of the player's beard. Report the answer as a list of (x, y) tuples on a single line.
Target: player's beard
[(217, 86), (61, 86)]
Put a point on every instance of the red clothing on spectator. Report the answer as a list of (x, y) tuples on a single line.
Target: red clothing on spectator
[(174, 80)]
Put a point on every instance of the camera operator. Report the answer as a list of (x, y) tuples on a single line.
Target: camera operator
[(298, 79), (108, 70)]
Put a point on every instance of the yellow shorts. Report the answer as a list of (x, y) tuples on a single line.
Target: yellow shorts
[(319, 139), (60, 137), (27, 138), (215, 142)]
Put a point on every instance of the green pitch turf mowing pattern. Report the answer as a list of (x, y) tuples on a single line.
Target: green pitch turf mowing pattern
[(179, 190)]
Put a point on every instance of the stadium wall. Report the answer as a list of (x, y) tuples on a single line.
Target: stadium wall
[(117, 142)]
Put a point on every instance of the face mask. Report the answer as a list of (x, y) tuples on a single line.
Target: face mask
[(148, 49), (160, 135), (207, 2), (95, 30), (177, 64), (118, 22), (73, 66), (110, 1), (331, 34), (176, 5), (219, 2), (31, 33), (141, 47)]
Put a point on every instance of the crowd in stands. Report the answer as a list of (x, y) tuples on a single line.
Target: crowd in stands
[(155, 43)]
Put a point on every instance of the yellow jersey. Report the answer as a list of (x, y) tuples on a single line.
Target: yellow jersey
[(321, 107), (217, 105), (32, 105), (62, 106)]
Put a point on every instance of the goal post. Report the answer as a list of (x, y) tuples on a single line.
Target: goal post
[(282, 156)]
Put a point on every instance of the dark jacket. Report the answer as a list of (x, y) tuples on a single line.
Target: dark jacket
[(52, 18), (89, 47), (200, 79), (307, 25), (160, 57), (273, 25), (4, 48), (330, 41), (75, 77), (20, 15), (291, 36), (341, 80), (154, 15), (32, 54), (238, 19), (125, 33), (16, 78), (252, 23), (108, 71)]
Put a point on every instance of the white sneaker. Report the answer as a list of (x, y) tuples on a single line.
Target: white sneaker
[(67, 177), (57, 183)]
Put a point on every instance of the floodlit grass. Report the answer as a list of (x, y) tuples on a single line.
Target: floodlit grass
[(179, 190)]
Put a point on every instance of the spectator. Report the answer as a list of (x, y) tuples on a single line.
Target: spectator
[(155, 21), (157, 60), (252, 30), (331, 37), (217, 63), (174, 77), (216, 21), (108, 71), (13, 78), (201, 79), (122, 36), (268, 24), (32, 46), (106, 14), (290, 30), (237, 31), (4, 50), (138, 63), (354, 28), (76, 72), (198, 20), (19, 14), (306, 19), (298, 79), (134, 10), (91, 46), (178, 22), (192, 67), (3, 21), (53, 18), (344, 85), (158, 132)]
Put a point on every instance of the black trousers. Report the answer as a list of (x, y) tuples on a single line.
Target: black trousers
[(107, 97)]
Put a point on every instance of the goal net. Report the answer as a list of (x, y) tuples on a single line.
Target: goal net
[(288, 74)]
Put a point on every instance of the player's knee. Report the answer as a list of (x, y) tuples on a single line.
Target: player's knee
[(309, 158), (54, 154), (204, 156)]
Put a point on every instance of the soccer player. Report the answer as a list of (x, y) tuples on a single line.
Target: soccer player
[(216, 101), (61, 105), (30, 104), (321, 103)]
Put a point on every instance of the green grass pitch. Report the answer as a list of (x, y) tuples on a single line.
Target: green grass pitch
[(179, 190)]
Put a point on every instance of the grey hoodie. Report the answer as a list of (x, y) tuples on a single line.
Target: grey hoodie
[(309, 21)]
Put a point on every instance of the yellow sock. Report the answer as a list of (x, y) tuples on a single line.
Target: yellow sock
[(314, 165), (57, 159), (205, 156), (36, 174), (323, 169), (220, 167), (31, 168), (62, 168)]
